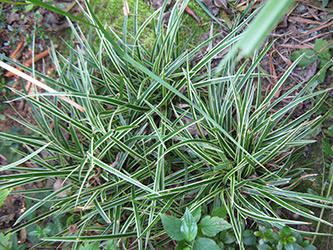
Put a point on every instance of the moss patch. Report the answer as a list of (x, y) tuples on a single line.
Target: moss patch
[(111, 13)]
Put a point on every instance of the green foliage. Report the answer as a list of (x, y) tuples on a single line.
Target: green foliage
[(39, 232), (205, 244), (283, 239), (189, 227), (186, 230), (210, 226), (172, 227), (161, 132), (320, 52)]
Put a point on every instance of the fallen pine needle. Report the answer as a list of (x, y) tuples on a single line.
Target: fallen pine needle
[(39, 84)]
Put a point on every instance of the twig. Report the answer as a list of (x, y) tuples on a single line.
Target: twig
[(303, 20), (330, 24), (300, 178), (14, 54), (295, 46), (29, 62), (40, 84), (317, 36)]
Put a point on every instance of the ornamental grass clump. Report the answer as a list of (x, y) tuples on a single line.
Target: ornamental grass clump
[(153, 132)]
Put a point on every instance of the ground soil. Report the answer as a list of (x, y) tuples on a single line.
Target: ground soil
[(306, 22)]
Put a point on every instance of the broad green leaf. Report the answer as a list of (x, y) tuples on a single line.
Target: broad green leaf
[(197, 214), (172, 227), (189, 226), (210, 226), (3, 195), (205, 244)]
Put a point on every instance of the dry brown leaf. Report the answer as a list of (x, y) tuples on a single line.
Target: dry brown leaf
[(221, 4)]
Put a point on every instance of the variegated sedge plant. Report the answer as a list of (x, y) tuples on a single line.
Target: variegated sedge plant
[(158, 133)]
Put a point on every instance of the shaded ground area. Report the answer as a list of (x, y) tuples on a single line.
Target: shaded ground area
[(307, 27)]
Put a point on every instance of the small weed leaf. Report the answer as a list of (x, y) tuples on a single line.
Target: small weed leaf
[(249, 238), (172, 227), (286, 231), (3, 195), (309, 57), (323, 48), (210, 226), (320, 51), (189, 226), (205, 244)]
